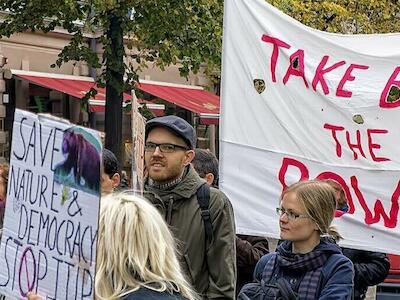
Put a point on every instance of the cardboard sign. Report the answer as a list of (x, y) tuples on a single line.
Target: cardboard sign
[(298, 103), (138, 136), (50, 230), (139, 151)]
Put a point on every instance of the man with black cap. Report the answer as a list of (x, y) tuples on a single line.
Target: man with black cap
[(209, 260)]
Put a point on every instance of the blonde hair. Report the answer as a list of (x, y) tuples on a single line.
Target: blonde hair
[(340, 195), (135, 249), (319, 201)]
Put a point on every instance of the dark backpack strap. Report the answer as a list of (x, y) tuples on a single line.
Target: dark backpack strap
[(286, 291), (203, 198), (298, 282)]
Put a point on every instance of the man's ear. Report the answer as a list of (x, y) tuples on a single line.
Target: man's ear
[(116, 180), (209, 178), (189, 155)]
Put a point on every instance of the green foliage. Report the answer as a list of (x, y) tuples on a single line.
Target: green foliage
[(187, 31), (146, 112), (345, 16), (143, 110), (166, 32), (40, 103)]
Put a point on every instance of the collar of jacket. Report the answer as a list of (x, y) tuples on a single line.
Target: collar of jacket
[(326, 244), (185, 189)]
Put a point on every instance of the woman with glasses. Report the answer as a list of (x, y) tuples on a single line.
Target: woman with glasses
[(308, 262)]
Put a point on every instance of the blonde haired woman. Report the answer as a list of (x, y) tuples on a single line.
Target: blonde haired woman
[(136, 253), (136, 256), (308, 264)]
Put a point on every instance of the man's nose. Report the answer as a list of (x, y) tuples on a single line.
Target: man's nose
[(157, 151)]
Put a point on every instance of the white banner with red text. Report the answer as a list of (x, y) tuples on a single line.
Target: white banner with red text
[(298, 103)]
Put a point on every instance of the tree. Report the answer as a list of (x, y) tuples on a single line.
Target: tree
[(345, 16), (162, 32), (340, 16)]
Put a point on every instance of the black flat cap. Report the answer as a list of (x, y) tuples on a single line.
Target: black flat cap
[(178, 125)]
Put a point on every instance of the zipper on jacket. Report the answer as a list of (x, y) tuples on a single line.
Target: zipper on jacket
[(169, 209)]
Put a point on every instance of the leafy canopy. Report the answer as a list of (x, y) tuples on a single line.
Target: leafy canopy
[(345, 16), (164, 31)]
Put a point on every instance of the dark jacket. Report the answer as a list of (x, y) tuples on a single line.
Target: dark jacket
[(211, 268), (370, 268), (147, 294), (249, 250), (336, 281)]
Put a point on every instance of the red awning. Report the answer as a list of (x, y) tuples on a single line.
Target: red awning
[(74, 87), (208, 121), (192, 98), (97, 108), (78, 86)]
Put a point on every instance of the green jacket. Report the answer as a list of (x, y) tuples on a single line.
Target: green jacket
[(210, 267)]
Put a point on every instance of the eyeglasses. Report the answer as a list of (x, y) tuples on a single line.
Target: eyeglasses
[(291, 216), (165, 148)]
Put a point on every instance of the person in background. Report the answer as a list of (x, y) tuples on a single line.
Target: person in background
[(124, 184), (249, 249), (206, 165), (110, 178), (4, 167), (308, 260), (370, 268), (136, 254), (207, 254)]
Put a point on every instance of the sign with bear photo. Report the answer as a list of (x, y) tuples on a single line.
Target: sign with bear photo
[(49, 237)]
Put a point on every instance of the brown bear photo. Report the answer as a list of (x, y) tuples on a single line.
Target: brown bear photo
[(81, 166)]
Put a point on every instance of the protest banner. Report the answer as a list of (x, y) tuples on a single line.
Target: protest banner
[(298, 103), (49, 237), (138, 129)]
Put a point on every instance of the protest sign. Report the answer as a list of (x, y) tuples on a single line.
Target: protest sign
[(138, 129), (298, 103), (50, 230)]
